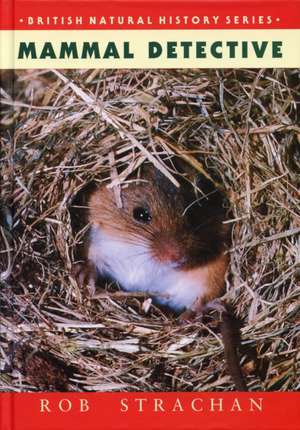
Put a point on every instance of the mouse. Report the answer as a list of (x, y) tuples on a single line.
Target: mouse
[(164, 239)]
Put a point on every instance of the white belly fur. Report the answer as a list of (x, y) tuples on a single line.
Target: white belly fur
[(133, 267)]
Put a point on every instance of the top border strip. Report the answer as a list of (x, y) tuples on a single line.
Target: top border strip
[(155, 14)]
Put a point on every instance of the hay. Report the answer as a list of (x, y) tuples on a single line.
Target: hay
[(72, 127)]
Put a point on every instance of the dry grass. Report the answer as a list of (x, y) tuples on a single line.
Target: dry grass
[(71, 127)]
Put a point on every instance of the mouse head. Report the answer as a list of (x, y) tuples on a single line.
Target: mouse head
[(180, 226)]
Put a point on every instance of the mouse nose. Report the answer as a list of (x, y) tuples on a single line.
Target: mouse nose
[(168, 250)]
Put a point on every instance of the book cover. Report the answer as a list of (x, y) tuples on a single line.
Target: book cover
[(149, 215)]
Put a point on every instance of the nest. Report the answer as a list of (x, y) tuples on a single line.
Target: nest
[(64, 129)]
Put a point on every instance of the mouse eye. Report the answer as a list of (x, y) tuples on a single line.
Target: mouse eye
[(141, 214)]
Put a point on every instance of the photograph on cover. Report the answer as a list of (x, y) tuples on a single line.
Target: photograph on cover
[(149, 226)]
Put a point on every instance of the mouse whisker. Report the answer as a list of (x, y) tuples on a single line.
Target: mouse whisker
[(141, 234), (139, 254)]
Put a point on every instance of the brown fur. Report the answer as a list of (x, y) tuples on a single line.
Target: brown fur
[(197, 238), (214, 275)]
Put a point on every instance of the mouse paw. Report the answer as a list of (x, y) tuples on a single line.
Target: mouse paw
[(85, 275), (200, 309), (189, 316), (215, 305)]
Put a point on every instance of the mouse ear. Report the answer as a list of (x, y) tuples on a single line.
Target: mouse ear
[(163, 183), (212, 196), (204, 184)]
